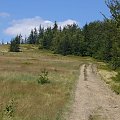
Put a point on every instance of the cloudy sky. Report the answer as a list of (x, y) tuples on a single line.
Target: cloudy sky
[(20, 16)]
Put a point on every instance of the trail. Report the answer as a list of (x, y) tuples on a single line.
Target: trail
[(94, 100)]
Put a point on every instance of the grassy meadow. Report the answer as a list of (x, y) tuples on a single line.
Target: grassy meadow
[(21, 97)]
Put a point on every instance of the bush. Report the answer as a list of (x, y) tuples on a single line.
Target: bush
[(43, 78), (10, 109), (15, 44), (14, 47)]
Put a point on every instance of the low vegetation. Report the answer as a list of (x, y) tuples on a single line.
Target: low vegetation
[(116, 85), (43, 78), (111, 77), (21, 97)]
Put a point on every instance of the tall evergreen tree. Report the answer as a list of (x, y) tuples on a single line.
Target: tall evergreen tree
[(86, 39), (55, 27), (30, 39), (35, 36), (46, 41), (40, 34)]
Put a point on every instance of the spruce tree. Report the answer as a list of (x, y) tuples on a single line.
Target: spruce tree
[(15, 44), (35, 36), (30, 39)]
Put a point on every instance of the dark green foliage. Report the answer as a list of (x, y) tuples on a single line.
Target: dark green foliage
[(55, 27), (40, 34), (114, 7), (68, 41), (115, 61), (33, 37), (101, 40), (15, 44), (43, 78), (47, 38), (98, 39)]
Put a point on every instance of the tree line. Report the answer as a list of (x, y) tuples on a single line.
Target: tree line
[(98, 39)]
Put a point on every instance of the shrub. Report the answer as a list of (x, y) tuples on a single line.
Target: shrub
[(43, 78), (10, 109), (15, 44)]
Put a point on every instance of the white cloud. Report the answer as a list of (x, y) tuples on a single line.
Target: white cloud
[(24, 26), (4, 14), (67, 22)]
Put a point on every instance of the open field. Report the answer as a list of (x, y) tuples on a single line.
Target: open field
[(21, 97)]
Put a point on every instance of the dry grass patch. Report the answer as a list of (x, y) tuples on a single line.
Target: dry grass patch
[(22, 98)]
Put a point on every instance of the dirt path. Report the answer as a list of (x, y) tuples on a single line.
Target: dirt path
[(93, 99)]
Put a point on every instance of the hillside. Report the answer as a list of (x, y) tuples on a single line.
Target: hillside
[(23, 97)]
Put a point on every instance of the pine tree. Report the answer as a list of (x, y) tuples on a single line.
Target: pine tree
[(35, 36), (86, 39), (30, 39), (46, 41), (55, 27), (40, 34), (15, 44)]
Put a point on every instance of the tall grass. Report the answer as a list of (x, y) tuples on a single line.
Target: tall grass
[(19, 73), (116, 85)]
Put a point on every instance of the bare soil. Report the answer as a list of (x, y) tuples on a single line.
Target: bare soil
[(94, 100)]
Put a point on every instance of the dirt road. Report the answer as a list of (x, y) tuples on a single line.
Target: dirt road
[(93, 98)]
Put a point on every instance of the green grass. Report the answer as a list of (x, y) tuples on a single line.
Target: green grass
[(19, 74), (103, 66), (117, 78), (116, 85), (114, 82)]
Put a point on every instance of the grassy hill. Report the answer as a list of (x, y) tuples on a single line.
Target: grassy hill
[(21, 97)]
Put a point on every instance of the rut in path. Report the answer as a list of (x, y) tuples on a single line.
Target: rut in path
[(94, 100)]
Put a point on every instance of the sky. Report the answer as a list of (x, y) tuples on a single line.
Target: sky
[(20, 16)]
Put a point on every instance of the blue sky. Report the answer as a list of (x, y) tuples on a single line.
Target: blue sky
[(20, 16)]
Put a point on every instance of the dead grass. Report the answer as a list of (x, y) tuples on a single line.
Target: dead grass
[(18, 83)]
